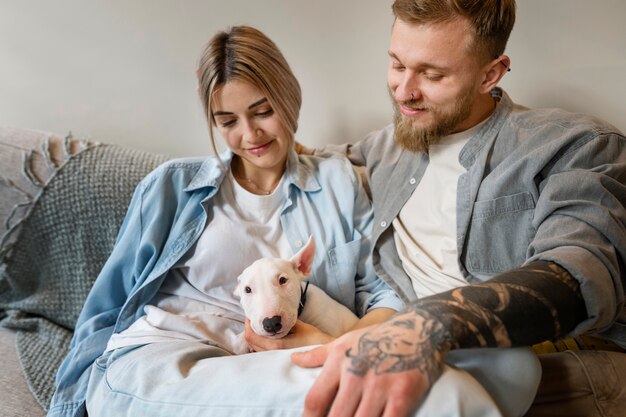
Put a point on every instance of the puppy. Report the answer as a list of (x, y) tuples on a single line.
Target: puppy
[(274, 294)]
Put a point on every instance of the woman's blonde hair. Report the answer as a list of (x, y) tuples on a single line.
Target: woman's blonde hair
[(244, 53)]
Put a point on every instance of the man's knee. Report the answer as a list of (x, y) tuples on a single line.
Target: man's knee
[(582, 383)]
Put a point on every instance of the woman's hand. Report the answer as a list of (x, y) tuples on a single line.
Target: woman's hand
[(374, 316), (302, 334)]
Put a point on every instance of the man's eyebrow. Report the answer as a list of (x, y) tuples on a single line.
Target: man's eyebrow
[(251, 106), (424, 65), (392, 55)]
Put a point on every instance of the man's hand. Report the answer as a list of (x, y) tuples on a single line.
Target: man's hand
[(302, 334), (383, 370)]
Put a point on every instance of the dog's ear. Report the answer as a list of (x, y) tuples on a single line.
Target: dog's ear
[(237, 292), (303, 260)]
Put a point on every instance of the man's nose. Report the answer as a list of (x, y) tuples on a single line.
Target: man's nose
[(408, 88)]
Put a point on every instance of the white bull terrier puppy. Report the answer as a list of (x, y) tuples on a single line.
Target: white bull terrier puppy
[(274, 294)]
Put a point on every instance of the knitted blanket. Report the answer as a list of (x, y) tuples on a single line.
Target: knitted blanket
[(47, 272)]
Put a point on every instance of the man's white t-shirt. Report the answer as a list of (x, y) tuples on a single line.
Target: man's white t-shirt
[(196, 300), (425, 229)]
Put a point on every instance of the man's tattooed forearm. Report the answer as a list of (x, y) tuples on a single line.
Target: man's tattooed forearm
[(538, 302), (528, 305), (407, 342)]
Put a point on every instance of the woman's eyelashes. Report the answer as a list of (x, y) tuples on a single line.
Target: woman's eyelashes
[(228, 123), (232, 121), (264, 113)]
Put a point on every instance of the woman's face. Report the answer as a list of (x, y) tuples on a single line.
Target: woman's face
[(251, 128)]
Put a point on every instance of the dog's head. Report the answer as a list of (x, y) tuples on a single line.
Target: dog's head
[(270, 290)]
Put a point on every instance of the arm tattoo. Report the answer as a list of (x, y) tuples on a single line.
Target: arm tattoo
[(406, 343), (537, 302)]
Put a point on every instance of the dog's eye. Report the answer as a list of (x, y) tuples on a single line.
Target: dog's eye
[(248, 290), (282, 280)]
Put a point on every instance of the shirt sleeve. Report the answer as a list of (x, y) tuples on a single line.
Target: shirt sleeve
[(581, 225), (371, 291), (100, 311)]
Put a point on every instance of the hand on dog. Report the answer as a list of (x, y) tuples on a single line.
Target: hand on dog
[(302, 334), (378, 370)]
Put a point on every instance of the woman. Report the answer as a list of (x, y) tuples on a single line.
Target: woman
[(155, 333)]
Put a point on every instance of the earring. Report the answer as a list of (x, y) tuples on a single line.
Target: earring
[(508, 69)]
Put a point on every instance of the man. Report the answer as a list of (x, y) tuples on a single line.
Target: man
[(513, 218)]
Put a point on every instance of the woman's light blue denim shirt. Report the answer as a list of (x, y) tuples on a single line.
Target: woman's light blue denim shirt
[(168, 213)]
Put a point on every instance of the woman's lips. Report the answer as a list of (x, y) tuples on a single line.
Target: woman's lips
[(258, 150)]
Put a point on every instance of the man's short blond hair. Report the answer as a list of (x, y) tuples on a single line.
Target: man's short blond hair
[(491, 20)]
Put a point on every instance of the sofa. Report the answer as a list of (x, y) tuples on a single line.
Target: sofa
[(62, 200)]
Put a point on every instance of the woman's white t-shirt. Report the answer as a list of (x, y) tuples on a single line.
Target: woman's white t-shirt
[(196, 300)]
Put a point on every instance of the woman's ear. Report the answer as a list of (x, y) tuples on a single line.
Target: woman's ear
[(494, 71)]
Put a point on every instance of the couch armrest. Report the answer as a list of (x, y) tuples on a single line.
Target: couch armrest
[(63, 201), (17, 400)]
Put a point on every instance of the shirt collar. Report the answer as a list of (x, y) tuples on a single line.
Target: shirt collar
[(300, 172), (489, 130)]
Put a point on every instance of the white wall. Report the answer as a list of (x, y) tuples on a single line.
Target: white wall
[(122, 71)]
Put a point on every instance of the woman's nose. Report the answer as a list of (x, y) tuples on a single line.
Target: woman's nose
[(252, 132)]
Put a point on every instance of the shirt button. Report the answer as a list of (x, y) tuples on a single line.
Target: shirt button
[(383, 224), (298, 243), (412, 181)]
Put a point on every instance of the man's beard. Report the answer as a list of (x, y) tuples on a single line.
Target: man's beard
[(444, 120)]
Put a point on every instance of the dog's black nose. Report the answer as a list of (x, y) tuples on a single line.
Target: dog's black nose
[(272, 324)]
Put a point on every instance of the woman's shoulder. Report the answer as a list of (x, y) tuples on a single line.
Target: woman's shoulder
[(181, 169), (185, 164)]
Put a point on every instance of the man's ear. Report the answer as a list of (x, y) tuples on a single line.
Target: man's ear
[(494, 71), (303, 260)]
